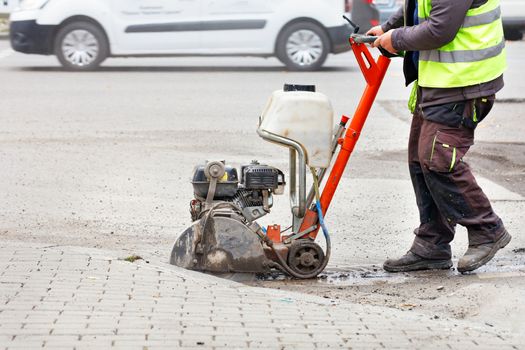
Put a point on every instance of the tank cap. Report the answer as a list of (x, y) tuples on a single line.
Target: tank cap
[(296, 87)]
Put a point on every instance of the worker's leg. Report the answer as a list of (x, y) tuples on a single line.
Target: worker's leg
[(454, 188), (431, 249), (435, 232)]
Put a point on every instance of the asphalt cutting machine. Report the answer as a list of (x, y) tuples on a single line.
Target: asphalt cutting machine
[(225, 236)]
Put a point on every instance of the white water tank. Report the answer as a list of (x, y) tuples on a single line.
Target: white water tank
[(304, 117)]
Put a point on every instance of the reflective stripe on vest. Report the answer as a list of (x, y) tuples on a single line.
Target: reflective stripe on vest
[(476, 55), (462, 55), (477, 20)]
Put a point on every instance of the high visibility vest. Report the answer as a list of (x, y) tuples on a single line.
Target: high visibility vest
[(476, 55)]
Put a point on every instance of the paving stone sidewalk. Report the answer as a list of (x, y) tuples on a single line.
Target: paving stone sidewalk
[(76, 298)]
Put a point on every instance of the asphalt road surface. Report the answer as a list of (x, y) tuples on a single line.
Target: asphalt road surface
[(103, 159)]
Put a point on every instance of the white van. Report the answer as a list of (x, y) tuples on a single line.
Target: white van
[(82, 34)]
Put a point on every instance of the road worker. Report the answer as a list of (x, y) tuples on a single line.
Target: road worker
[(454, 54)]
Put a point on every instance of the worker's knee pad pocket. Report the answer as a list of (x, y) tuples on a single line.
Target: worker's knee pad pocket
[(444, 152)]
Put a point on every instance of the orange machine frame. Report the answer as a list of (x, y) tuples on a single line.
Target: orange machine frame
[(374, 73)]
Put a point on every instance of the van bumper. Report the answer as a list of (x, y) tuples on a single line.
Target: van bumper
[(517, 23), (31, 37), (340, 37)]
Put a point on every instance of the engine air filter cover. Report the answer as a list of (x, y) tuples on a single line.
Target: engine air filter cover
[(261, 177)]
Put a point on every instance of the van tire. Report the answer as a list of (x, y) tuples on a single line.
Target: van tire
[(81, 46), (308, 41)]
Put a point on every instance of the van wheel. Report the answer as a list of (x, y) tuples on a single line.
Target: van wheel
[(81, 46), (303, 46)]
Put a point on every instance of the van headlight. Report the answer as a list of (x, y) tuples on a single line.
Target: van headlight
[(33, 4)]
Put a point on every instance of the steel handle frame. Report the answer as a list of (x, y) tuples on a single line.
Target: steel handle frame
[(297, 193)]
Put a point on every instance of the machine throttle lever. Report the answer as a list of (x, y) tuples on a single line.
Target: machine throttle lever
[(355, 26)]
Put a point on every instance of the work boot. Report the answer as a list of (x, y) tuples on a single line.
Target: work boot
[(413, 262), (479, 255)]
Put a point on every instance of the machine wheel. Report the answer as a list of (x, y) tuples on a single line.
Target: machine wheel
[(303, 46), (306, 257), (81, 46)]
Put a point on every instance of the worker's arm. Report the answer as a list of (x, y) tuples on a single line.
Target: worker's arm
[(442, 26), (397, 20)]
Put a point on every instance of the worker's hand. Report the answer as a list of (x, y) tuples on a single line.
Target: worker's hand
[(375, 31), (385, 41)]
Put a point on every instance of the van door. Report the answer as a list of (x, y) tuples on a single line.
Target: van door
[(156, 26), (237, 26)]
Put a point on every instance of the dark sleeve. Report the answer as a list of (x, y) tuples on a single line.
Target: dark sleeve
[(397, 20), (444, 22)]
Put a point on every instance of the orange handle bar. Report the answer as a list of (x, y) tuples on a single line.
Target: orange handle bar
[(374, 73)]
